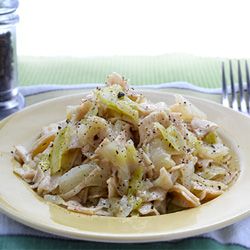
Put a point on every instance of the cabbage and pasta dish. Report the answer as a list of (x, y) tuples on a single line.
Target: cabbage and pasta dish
[(118, 154)]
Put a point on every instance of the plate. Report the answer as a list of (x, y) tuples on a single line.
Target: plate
[(19, 202)]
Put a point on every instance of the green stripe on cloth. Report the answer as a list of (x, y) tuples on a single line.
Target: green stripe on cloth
[(200, 71), (38, 243), (203, 72)]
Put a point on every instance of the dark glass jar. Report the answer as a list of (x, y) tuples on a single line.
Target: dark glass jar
[(10, 99)]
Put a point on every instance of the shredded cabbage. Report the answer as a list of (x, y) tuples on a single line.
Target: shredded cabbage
[(118, 154), (211, 138), (109, 96), (173, 136), (60, 146)]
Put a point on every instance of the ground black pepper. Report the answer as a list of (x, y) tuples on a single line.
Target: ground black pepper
[(96, 137), (120, 95), (6, 61)]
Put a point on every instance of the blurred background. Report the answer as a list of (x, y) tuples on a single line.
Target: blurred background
[(80, 28)]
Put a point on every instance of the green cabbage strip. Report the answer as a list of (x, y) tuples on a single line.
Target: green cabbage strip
[(193, 142), (124, 106), (131, 154), (134, 184), (60, 146), (69, 158), (210, 138), (173, 136), (135, 181)]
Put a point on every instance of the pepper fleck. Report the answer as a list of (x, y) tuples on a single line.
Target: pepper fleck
[(96, 137), (120, 95)]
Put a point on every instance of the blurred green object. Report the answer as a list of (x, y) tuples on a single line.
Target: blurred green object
[(38, 243), (201, 71), (204, 72)]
